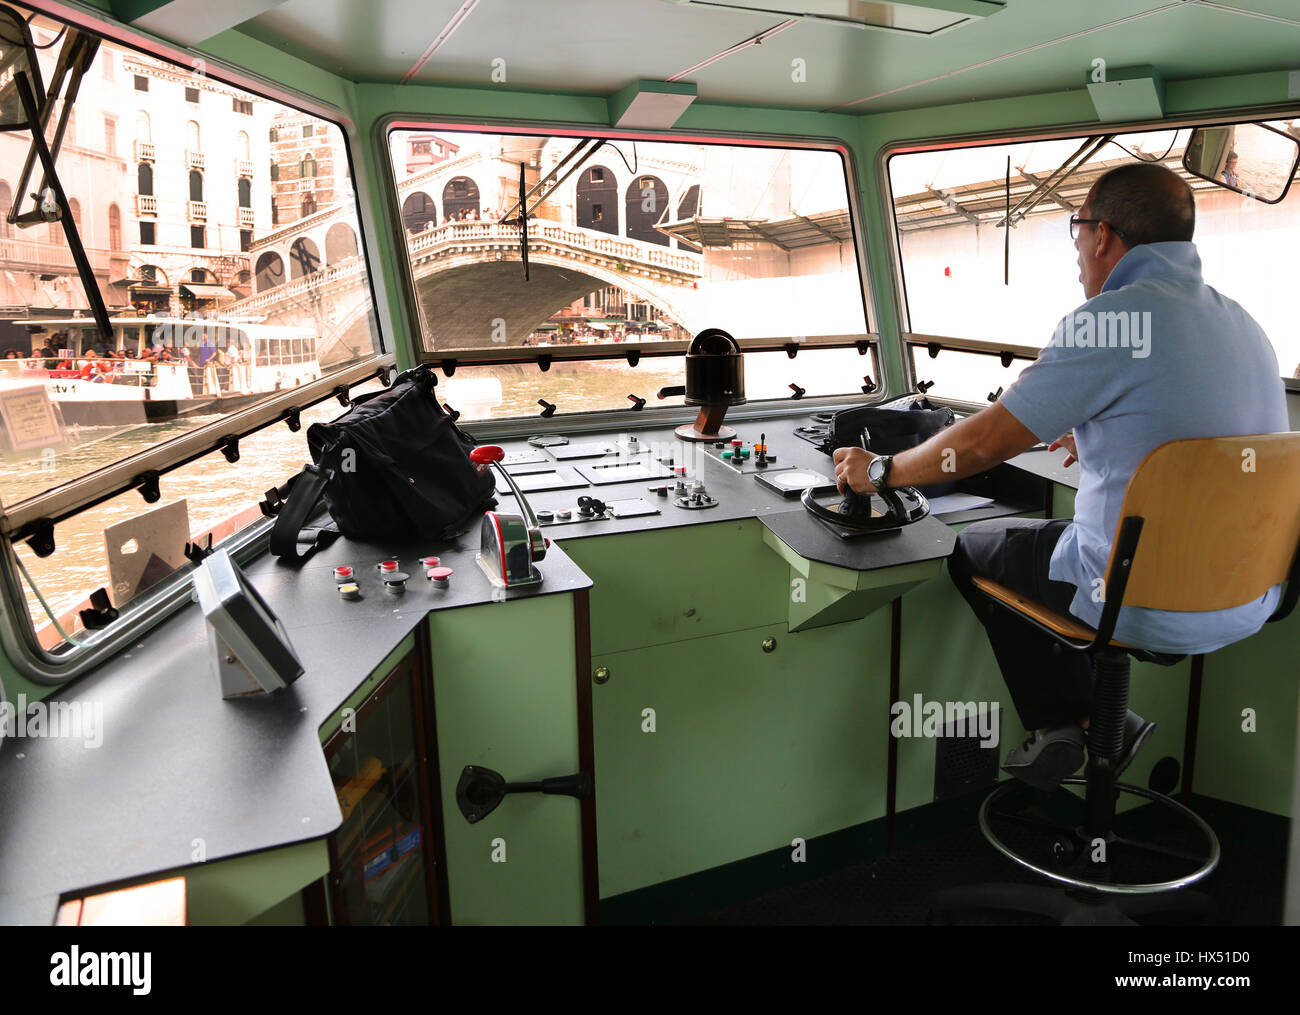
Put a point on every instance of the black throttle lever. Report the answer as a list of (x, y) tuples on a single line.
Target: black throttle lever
[(480, 790)]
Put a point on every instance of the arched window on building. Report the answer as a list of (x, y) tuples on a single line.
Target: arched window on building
[(418, 210), (647, 201), (340, 243), (307, 167), (196, 185), (270, 271), (597, 205), (304, 258), (241, 146), (192, 136), (308, 204), (144, 179), (114, 227), (460, 199), (245, 192), (688, 208), (142, 126)]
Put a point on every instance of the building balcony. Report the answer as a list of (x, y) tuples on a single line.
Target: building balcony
[(144, 151), (246, 216), (193, 159), (146, 204), (198, 211), (244, 167)]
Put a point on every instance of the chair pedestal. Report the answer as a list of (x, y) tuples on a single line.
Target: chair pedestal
[(1093, 895)]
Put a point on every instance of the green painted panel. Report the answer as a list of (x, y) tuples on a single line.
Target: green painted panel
[(288, 913), (1063, 501), (750, 750), (251, 888), (237, 890), (506, 699), (945, 657), (663, 586), (1260, 673)]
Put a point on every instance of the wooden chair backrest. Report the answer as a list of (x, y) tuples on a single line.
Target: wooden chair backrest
[(1221, 521)]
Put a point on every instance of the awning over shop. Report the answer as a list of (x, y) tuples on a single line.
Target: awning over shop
[(206, 292), (598, 326)]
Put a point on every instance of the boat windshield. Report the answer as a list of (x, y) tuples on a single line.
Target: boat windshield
[(633, 244), (222, 229)]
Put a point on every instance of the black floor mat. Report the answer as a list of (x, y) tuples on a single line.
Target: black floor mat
[(1245, 889)]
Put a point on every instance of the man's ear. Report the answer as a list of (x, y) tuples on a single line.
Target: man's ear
[(1107, 242)]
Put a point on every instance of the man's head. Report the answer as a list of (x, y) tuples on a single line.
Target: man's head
[(1131, 205)]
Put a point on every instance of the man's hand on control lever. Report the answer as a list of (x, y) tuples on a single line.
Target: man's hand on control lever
[(1066, 441), (851, 470)]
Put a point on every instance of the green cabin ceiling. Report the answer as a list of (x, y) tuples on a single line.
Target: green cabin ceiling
[(599, 46)]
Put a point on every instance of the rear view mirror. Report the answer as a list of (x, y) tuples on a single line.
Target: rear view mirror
[(1250, 158)]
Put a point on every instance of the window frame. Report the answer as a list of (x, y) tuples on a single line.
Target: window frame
[(868, 341), (17, 637), (914, 343)]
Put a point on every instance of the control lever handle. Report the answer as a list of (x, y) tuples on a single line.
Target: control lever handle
[(487, 455), (480, 790)]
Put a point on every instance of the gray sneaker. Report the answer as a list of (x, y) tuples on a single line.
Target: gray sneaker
[(1048, 756), (1137, 731)]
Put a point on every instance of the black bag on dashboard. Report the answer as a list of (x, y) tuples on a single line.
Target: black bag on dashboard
[(887, 430), (394, 466), (890, 429)]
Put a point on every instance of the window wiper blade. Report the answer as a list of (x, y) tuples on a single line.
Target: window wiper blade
[(51, 182)]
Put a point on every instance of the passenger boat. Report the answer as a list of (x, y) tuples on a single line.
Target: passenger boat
[(686, 286), (159, 369)]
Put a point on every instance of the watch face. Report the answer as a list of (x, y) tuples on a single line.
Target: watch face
[(875, 470)]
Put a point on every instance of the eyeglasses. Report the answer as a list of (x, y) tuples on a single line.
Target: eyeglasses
[(1076, 222)]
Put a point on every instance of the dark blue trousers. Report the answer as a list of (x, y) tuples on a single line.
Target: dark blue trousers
[(1048, 688)]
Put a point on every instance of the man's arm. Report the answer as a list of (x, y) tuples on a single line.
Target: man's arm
[(971, 445)]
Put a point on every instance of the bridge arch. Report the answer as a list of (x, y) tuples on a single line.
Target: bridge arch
[(647, 200), (304, 257), (270, 271), (597, 200), (417, 209), (557, 281), (340, 243), (460, 197)]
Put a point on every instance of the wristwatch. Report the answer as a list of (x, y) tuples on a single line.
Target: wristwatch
[(878, 471)]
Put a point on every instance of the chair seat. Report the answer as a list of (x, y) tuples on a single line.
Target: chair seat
[(1065, 626)]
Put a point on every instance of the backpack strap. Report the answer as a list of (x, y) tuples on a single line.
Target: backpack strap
[(290, 539)]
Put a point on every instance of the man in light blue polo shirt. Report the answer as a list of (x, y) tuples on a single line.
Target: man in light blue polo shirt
[(1154, 355)]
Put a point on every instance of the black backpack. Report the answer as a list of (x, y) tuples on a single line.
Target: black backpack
[(394, 466)]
